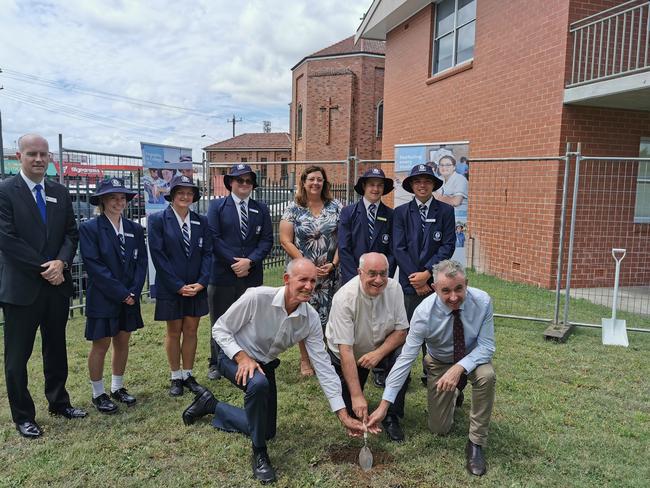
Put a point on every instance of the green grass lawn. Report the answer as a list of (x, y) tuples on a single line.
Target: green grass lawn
[(574, 414)]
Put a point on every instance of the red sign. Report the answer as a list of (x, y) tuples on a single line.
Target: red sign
[(77, 169)]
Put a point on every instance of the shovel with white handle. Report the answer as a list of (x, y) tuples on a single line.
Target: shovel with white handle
[(614, 331)]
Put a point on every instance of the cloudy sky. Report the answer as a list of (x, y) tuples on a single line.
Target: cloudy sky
[(109, 74)]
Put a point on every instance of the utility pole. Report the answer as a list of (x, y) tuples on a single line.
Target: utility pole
[(267, 126), (234, 121)]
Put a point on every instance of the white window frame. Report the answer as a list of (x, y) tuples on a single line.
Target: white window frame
[(454, 34), (641, 181)]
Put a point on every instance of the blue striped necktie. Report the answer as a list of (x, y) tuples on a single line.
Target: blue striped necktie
[(40, 203), (122, 246), (186, 239), (371, 220), (244, 219), (423, 214)]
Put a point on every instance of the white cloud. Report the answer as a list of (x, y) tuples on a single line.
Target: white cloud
[(215, 56)]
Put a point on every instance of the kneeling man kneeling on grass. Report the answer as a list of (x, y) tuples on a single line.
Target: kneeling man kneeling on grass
[(254, 331), (457, 326)]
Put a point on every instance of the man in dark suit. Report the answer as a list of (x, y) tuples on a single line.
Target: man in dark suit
[(355, 226), (38, 241), (243, 236), (423, 235)]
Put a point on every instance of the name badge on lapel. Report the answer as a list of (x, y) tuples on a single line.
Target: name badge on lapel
[(258, 229), (50, 199), (135, 253), (126, 234), (431, 221), (200, 243), (381, 219), (437, 236), (385, 238), (195, 222), (253, 210)]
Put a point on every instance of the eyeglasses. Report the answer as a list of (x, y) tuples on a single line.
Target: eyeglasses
[(373, 274), (244, 181), (448, 165)]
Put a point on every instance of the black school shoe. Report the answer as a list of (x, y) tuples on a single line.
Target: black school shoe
[(176, 388), (123, 396), (104, 404)]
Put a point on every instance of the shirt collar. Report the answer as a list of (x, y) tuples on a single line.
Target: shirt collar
[(278, 301), (180, 220), (427, 203), (31, 184), (236, 199), (367, 203)]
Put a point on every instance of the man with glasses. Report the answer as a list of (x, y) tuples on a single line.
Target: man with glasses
[(367, 327), (243, 236)]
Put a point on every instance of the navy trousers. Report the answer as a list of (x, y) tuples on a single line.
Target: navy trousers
[(220, 298), (387, 363), (258, 418)]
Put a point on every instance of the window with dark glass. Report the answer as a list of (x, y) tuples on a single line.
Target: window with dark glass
[(642, 205), (299, 122), (453, 41), (379, 126)]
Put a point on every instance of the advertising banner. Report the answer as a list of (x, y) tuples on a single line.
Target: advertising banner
[(453, 171), (160, 164)]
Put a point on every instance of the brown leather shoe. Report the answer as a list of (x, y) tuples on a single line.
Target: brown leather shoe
[(475, 460)]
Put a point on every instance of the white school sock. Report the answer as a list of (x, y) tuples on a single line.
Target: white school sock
[(177, 375), (117, 382), (187, 373), (98, 388)]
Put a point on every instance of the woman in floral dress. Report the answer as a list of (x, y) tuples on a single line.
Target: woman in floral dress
[(308, 229)]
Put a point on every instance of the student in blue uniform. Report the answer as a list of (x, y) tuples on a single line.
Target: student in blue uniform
[(181, 250), (115, 257), (243, 235), (423, 235), (356, 223)]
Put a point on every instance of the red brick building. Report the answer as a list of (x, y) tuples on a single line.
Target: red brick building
[(514, 80), (249, 148), (336, 107)]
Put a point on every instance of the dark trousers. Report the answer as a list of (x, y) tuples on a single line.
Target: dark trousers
[(50, 311), (258, 418), (220, 298), (387, 363), (411, 302)]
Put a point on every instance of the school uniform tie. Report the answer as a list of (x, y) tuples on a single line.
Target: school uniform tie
[(459, 346), (40, 203), (186, 239), (423, 214), (122, 246), (243, 219), (371, 220)]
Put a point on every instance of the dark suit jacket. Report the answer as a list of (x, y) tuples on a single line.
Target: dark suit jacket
[(173, 268), (111, 280), (415, 251), (26, 242), (223, 218), (354, 240)]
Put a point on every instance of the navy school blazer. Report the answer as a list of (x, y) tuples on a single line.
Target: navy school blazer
[(111, 280), (416, 252), (354, 239), (173, 268), (223, 219)]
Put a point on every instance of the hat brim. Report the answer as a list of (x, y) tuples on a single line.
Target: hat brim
[(388, 184), (228, 178), (406, 184), (197, 194), (95, 199)]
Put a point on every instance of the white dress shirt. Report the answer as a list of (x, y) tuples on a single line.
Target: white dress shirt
[(31, 184), (182, 221), (363, 322), (237, 201), (259, 325), (433, 323)]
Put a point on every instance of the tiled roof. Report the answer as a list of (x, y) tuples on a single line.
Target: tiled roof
[(347, 46), (254, 140)]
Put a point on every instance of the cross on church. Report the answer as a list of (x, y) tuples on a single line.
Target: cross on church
[(329, 107)]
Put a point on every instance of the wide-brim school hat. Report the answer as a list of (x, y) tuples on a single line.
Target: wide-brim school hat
[(112, 185), (374, 173), (421, 170), (239, 170), (182, 181)]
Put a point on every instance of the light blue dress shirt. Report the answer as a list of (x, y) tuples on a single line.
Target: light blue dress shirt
[(433, 323)]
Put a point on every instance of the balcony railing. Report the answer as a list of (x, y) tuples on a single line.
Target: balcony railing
[(611, 43)]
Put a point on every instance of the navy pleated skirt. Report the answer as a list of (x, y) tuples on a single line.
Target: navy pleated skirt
[(129, 320), (177, 308)]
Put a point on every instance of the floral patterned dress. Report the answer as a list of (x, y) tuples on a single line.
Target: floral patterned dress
[(316, 238)]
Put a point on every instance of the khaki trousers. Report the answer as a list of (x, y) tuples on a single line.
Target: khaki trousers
[(441, 405)]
